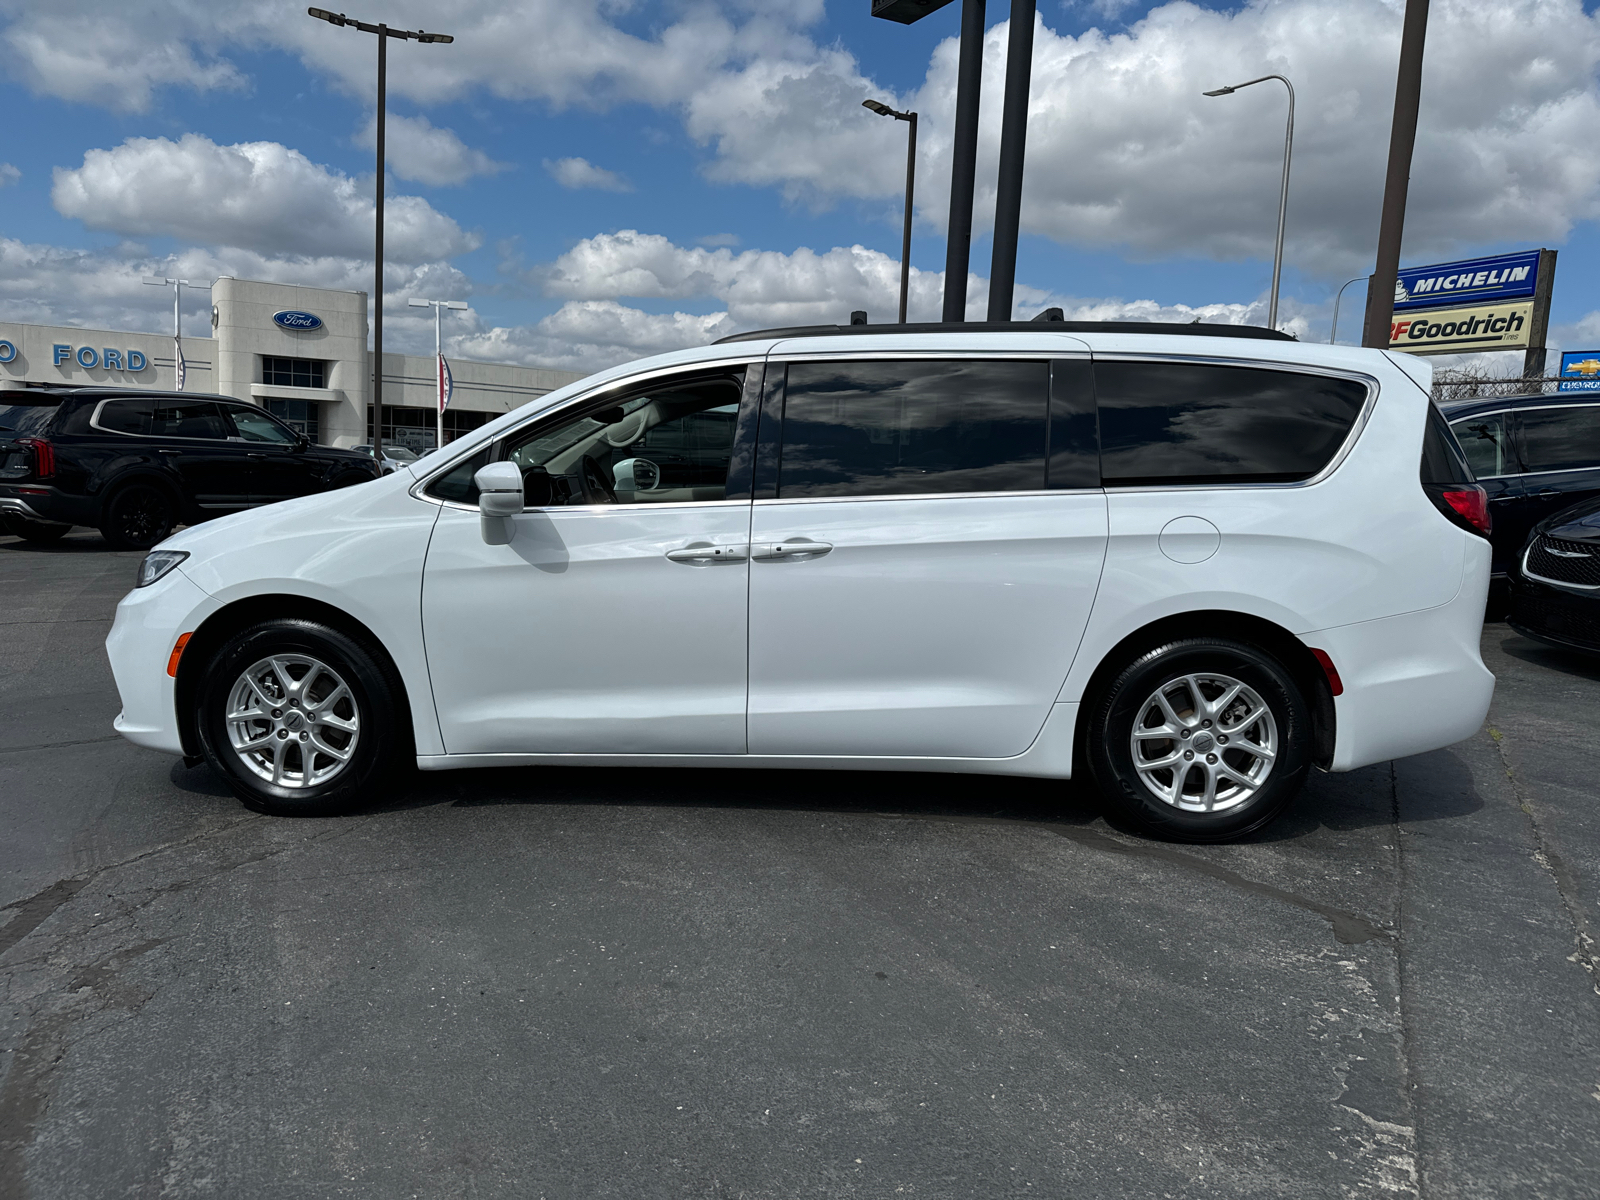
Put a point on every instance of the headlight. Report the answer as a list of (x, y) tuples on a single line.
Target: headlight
[(157, 563)]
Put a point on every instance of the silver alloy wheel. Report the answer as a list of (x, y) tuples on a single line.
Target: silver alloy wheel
[(1204, 743), (293, 721)]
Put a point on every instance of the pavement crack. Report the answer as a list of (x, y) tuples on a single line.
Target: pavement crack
[(1410, 1100), (1585, 953), (115, 737), (33, 912)]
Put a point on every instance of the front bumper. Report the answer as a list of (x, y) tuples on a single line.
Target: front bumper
[(149, 622), (1570, 619)]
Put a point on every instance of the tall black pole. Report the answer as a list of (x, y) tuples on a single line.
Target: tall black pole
[(1402, 139), (964, 161), (377, 290), (905, 239), (1013, 150)]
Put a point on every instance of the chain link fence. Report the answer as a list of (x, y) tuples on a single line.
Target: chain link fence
[(1451, 385)]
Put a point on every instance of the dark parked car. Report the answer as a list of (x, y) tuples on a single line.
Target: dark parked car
[(136, 464), (1555, 582), (1534, 455)]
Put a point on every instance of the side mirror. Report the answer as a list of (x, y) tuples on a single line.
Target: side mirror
[(538, 489), (499, 499)]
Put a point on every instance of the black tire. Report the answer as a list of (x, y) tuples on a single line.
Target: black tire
[(380, 749), (137, 517), (37, 532), (1130, 698)]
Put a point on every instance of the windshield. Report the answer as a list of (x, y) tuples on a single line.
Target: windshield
[(399, 454), (26, 418)]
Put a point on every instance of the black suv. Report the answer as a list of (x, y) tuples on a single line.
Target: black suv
[(136, 464), (1534, 455)]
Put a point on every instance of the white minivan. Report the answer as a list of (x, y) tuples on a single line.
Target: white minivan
[(1192, 561)]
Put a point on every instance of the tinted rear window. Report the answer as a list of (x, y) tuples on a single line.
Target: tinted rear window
[(1561, 439), (1443, 460), (159, 417), (898, 428), (1168, 423), (22, 419)]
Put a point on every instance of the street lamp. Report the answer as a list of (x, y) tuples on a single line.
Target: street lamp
[(384, 34), (1283, 195), (883, 110), (439, 370), (1333, 337), (177, 286)]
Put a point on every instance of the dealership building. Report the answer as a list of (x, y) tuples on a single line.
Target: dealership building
[(299, 352)]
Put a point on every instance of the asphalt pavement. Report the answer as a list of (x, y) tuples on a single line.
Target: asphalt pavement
[(590, 983)]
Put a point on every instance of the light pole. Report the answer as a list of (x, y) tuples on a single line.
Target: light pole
[(883, 110), (1333, 337), (438, 349), (384, 34), (177, 286), (1283, 194)]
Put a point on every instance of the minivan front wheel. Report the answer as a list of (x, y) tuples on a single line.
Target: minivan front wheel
[(299, 718), (1201, 740)]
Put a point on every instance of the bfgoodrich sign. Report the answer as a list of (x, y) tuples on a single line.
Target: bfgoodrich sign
[(1458, 330)]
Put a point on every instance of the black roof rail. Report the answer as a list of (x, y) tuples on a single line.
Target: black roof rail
[(1189, 329)]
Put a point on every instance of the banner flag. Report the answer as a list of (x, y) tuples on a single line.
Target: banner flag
[(177, 357), (447, 385)]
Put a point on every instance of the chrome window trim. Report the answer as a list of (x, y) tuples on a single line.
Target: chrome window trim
[(1555, 471), (1033, 493), (1562, 583), (745, 360), (94, 423), (1373, 385), (600, 508)]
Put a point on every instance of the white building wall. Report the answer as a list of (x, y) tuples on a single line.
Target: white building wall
[(229, 362)]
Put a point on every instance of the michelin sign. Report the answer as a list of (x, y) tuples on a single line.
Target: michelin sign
[(1496, 303)]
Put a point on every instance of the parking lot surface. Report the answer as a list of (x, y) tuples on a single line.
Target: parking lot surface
[(581, 983)]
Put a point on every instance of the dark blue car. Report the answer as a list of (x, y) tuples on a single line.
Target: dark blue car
[(1534, 455)]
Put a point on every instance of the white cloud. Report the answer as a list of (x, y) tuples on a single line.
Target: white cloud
[(581, 173), (53, 285), (259, 196), (8, 174), (759, 289), (417, 151)]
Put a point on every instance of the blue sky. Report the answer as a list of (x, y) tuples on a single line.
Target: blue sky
[(1143, 199)]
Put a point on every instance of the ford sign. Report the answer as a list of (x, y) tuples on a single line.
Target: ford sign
[(292, 319)]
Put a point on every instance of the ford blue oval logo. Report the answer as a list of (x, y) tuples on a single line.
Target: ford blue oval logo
[(291, 319)]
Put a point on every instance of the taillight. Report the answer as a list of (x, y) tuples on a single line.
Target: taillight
[(44, 456), (1467, 504)]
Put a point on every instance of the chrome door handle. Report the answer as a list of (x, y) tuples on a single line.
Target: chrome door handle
[(700, 555), (255, 454), (1547, 493), (174, 453), (1502, 499), (798, 548)]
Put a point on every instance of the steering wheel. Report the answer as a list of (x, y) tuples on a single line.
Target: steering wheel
[(597, 488)]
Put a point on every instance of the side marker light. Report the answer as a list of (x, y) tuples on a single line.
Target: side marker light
[(1335, 684), (183, 640)]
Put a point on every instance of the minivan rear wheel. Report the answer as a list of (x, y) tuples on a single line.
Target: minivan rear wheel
[(300, 719), (1201, 740)]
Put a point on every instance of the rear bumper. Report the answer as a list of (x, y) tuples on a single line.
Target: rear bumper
[(1412, 683), (28, 507), (140, 644)]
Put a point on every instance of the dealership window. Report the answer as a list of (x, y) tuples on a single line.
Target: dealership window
[(414, 428), (294, 372), (298, 415)]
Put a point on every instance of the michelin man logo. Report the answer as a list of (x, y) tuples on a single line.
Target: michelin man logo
[(1400, 293)]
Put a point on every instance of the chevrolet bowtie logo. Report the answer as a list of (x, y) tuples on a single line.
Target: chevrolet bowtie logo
[(1588, 368)]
